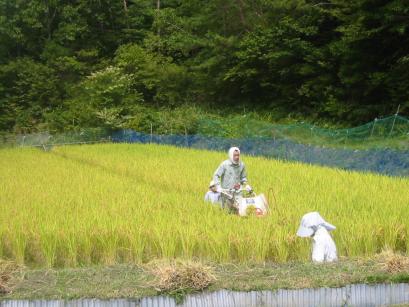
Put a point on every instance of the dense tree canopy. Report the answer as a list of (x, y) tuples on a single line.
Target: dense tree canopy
[(67, 64)]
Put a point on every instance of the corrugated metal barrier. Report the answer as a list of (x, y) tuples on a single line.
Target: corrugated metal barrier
[(351, 295)]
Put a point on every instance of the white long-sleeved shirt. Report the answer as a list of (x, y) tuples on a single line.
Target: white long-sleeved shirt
[(323, 246), (213, 197)]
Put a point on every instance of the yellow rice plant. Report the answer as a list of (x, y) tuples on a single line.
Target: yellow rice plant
[(116, 203)]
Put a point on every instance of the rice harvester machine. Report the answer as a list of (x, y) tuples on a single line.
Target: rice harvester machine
[(246, 203)]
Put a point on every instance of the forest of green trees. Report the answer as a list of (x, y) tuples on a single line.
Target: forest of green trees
[(126, 63)]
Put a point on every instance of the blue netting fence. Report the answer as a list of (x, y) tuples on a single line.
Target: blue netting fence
[(373, 155), (391, 162)]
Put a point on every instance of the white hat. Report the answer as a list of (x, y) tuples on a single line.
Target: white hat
[(231, 153), (311, 220), (211, 183)]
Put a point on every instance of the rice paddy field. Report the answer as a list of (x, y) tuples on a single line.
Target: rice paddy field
[(127, 203)]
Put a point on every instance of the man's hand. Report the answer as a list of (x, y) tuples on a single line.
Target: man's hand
[(236, 186)]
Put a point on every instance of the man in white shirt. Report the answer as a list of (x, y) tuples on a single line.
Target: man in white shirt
[(231, 174)]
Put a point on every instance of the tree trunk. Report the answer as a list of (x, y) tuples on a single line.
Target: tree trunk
[(157, 12), (241, 12)]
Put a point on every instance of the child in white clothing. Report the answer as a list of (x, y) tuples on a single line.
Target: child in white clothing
[(212, 195)]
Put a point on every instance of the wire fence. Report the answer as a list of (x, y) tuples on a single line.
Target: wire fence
[(381, 146), (388, 132), (46, 141)]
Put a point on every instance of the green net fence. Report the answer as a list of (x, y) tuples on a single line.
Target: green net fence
[(381, 146), (388, 132)]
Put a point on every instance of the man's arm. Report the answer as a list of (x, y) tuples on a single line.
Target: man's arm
[(243, 175), (218, 174), (243, 180)]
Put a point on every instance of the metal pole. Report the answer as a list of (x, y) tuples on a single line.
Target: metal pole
[(373, 126), (157, 12), (312, 128), (394, 119), (151, 132), (346, 137), (187, 143)]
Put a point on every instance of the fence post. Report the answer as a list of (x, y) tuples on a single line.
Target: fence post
[(373, 127), (273, 134), (151, 132), (346, 137), (394, 119), (186, 141)]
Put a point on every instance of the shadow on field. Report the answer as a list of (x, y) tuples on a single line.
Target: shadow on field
[(121, 173)]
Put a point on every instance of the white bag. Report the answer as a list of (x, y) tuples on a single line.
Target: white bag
[(259, 202)]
